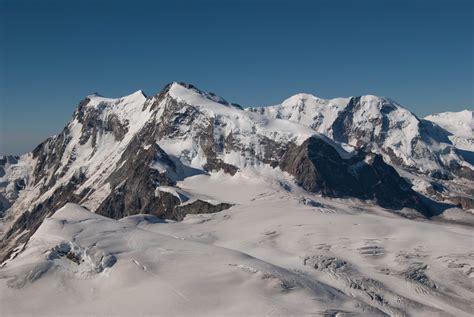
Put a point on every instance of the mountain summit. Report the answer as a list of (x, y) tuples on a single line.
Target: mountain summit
[(126, 156), (378, 125)]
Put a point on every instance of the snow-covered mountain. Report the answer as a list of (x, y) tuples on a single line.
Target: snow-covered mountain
[(120, 157), (382, 126), (460, 126), (185, 152), (425, 153)]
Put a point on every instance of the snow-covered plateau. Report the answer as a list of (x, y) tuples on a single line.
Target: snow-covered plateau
[(184, 204)]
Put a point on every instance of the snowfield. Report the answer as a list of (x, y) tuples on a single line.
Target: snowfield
[(215, 210), (277, 252), (459, 124)]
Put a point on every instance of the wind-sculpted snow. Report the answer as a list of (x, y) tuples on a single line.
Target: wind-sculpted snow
[(275, 252), (160, 274)]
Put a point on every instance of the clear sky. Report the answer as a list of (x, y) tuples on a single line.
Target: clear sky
[(54, 53)]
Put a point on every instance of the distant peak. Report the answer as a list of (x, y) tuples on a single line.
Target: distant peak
[(93, 95), (138, 93), (376, 105), (300, 98), (185, 85), (134, 95), (97, 101), (193, 95), (466, 114), (175, 85), (303, 95), (371, 97), (364, 98)]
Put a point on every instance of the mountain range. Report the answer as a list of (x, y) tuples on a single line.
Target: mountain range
[(119, 157), (128, 156)]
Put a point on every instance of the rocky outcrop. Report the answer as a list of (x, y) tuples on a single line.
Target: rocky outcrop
[(134, 183), (13, 180), (318, 167), (196, 207), (463, 202), (93, 123)]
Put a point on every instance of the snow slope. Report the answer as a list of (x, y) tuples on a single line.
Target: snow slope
[(248, 129), (94, 158), (459, 124), (377, 124), (276, 252), (103, 266), (123, 156)]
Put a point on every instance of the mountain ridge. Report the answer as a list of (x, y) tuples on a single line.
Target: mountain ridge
[(115, 154)]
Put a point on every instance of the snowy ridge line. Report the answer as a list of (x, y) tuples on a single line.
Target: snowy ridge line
[(125, 156)]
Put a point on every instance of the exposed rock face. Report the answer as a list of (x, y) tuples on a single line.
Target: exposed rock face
[(13, 178), (4, 204), (318, 167), (196, 207), (29, 221), (135, 183), (463, 201)]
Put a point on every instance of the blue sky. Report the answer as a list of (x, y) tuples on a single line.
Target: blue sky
[(53, 53)]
